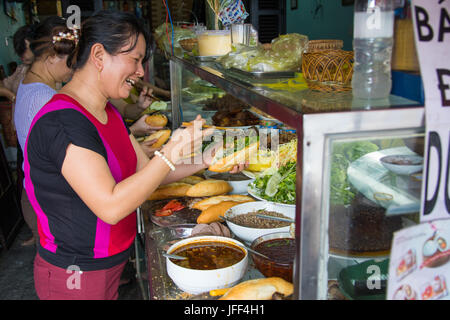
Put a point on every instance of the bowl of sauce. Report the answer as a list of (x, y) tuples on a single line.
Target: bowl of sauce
[(403, 164), (280, 248), (212, 262)]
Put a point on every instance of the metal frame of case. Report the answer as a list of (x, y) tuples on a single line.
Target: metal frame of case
[(315, 133)]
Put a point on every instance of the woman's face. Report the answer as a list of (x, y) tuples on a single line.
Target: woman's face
[(27, 57), (121, 71)]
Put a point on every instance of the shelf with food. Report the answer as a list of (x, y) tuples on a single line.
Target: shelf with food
[(190, 210)]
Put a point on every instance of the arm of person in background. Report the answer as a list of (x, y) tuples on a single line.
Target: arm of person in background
[(133, 110), (5, 92), (142, 128)]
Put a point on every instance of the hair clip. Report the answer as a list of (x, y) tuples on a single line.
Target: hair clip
[(68, 36)]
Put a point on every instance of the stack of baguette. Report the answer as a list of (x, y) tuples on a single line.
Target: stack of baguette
[(192, 186), (214, 207)]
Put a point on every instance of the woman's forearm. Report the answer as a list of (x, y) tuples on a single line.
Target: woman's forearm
[(5, 92), (183, 170), (133, 111)]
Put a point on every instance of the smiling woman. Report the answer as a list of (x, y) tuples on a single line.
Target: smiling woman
[(85, 175)]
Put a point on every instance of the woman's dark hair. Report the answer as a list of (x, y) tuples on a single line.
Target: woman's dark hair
[(43, 42), (112, 29), (22, 34)]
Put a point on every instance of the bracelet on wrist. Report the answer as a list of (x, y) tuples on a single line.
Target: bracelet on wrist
[(167, 161)]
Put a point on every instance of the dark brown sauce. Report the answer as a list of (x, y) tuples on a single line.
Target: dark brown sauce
[(208, 255), (230, 177), (279, 250), (282, 254)]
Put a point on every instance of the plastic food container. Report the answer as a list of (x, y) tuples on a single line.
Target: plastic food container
[(275, 267), (214, 42)]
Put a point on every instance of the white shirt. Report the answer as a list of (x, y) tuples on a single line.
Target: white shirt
[(30, 99)]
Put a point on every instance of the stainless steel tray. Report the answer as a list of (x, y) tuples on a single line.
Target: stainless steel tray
[(206, 58), (265, 75)]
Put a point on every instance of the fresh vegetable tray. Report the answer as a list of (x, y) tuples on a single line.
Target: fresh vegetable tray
[(278, 187)]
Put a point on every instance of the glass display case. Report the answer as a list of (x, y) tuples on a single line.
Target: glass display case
[(349, 200)]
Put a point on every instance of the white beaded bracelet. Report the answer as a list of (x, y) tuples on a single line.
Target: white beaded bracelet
[(167, 161)]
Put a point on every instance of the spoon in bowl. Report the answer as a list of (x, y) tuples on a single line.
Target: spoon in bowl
[(173, 256)]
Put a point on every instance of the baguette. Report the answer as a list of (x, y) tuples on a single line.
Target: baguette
[(156, 120), (162, 136), (209, 188), (213, 213), (227, 163), (259, 289), (206, 203), (171, 190)]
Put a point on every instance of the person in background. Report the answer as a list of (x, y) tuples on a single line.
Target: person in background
[(50, 51), (21, 42), (85, 174)]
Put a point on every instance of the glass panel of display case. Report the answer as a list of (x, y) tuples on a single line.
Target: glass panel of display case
[(196, 97), (375, 189)]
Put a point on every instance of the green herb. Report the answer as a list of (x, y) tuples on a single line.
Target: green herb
[(286, 189), (341, 192)]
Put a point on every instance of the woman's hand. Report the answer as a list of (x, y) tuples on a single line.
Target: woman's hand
[(209, 153), (141, 128), (144, 99), (185, 142), (147, 147)]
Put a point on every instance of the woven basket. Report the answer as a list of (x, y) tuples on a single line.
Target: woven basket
[(188, 44), (326, 67), (319, 45)]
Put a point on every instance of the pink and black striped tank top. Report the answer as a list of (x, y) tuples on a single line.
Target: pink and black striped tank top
[(70, 233)]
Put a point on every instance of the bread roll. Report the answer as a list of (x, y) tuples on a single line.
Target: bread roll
[(209, 188), (227, 163), (259, 289), (171, 190), (206, 203), (213, 213), (156, 120), (162, 136)]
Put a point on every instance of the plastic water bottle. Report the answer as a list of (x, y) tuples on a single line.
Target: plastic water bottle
[(372, 46)]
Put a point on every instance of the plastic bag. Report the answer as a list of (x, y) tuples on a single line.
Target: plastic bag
[(165, 42), (285, 55), (232, 11)]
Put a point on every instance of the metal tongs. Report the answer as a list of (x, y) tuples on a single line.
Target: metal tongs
[(275, 218)]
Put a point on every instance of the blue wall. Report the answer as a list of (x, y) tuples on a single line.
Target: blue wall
[(321, 19), (7, 29)]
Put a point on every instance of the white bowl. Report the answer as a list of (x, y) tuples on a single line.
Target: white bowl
[(239, 187), (199, 281), (248, 234), (403, 164)]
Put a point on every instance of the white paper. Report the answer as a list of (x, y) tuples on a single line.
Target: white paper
[(432, 39), (419, 266)]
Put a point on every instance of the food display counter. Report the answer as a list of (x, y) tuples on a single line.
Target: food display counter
[(348, 199)]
